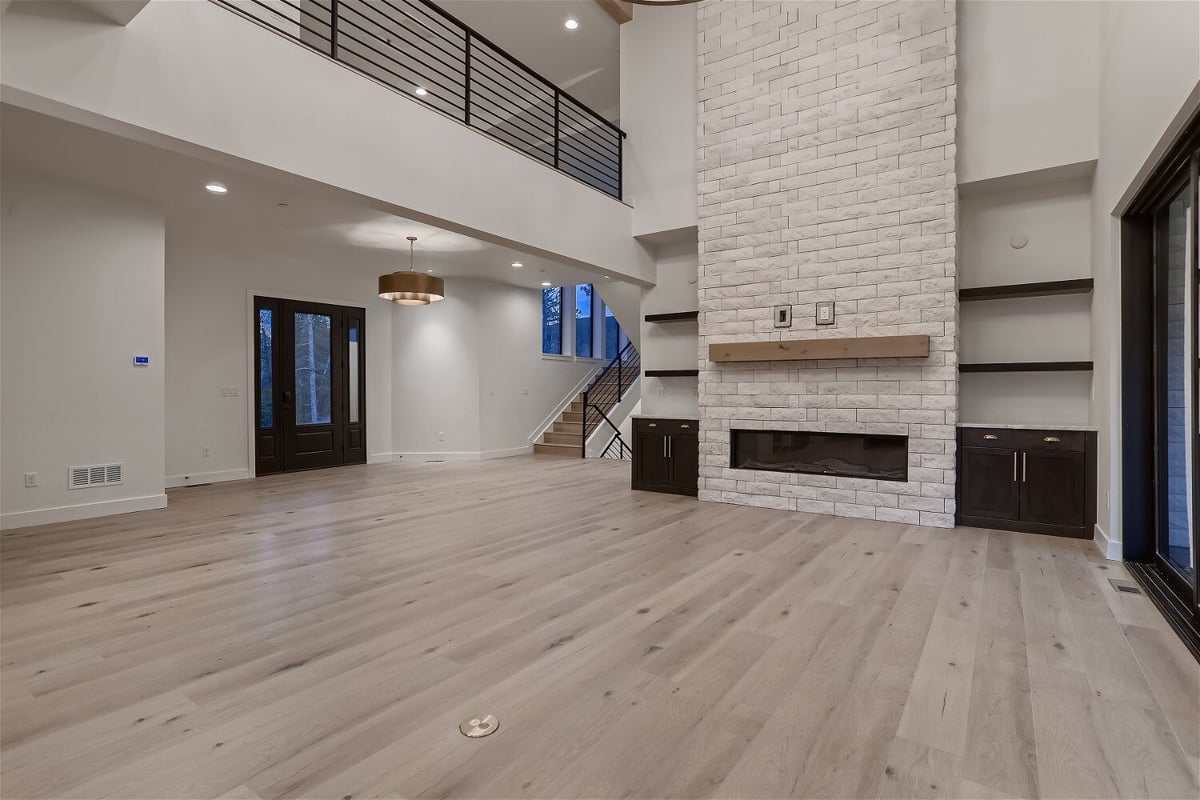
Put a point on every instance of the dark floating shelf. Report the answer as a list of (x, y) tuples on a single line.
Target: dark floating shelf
[(1029, 366), (672, 373), (677, 316), (1043, 289)]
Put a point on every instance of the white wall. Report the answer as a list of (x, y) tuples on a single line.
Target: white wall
[(1054, 218), (658, 111), (671, 345), (82, 275), (1028, 85), (471, 367), (196, 77), (208, 289), (1150, 62)]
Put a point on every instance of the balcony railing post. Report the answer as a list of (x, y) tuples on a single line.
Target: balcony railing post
[(333, 29), (620, 167), (556, 112), (467, 77), (583, 426)]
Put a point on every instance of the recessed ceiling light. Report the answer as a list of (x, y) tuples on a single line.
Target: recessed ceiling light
[(517, 264), (421, 91), (216, 188), (571, 23), (547, 283)]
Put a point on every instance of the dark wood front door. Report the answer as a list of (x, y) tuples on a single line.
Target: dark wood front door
[(311, 405)]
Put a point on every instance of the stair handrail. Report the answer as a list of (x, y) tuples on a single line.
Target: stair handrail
[(616, 432), (628, 353)]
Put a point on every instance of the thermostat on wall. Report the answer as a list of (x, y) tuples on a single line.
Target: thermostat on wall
[(141, 361)]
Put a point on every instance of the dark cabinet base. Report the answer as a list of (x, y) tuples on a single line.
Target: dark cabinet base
[(666, 456), (1032, 481)]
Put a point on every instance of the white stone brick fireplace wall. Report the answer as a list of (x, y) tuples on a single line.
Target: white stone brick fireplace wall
[(826, 172)]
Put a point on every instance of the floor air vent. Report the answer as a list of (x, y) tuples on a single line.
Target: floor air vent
[(95, 475), (1128, 587)]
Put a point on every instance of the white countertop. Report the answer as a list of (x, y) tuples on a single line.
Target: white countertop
[(1021, 426), (666, 416)]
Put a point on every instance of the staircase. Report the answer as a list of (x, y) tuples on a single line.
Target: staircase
[(586, 413)]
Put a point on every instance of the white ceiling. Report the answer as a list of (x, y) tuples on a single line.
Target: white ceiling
[(584, 62), (300, 219)]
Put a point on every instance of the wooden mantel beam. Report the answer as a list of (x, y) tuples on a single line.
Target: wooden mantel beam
[(911, 346), (619, 10)]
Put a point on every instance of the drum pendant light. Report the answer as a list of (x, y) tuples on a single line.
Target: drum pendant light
[(411, 288)]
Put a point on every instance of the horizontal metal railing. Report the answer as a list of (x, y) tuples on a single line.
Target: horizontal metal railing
[(420, 50)]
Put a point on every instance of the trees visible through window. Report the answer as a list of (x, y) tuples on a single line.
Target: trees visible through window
[(552, 307), (583, 321), (266, 378), (313, 379)]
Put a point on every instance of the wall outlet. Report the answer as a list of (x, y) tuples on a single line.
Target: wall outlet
[(30, 480), (825, 313), (204, 452)]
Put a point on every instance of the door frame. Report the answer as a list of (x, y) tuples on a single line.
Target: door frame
[(252, 362)]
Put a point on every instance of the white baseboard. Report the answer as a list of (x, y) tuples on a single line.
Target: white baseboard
[(194, 478), (101, 508), (462, 455), (1108, 548), (381, 458)]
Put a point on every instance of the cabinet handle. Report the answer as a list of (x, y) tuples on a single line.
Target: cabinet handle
[(652, 425), (1023, 466), (670, 447), (664, 447), (1014, 466), (685, 426), (1051, 439), (991, 437)]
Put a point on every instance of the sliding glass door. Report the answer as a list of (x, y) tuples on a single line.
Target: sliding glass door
[(1176, 318), (1160, 389)]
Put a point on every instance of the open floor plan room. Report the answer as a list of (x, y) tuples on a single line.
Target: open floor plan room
[(323, 635)]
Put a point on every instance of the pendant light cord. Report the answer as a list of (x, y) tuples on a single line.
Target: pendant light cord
[(412, 244)]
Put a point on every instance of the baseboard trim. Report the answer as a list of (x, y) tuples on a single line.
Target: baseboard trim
[(1108, 548), (219, 476), (102, 508), (461, 455), (381, 458)]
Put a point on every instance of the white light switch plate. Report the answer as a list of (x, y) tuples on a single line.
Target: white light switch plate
[(825, 313)]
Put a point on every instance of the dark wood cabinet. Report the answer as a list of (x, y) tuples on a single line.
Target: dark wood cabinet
[(666, 455), (1039, 481)]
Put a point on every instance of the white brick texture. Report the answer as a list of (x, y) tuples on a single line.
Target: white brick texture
[(826, 172)]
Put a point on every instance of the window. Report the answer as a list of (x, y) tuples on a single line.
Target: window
[(583, 321), (552, 316), (266, 378), (612, 335)]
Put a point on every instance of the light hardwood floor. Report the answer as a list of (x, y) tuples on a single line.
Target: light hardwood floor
[(322, 635)]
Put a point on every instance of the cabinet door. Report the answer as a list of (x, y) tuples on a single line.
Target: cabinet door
[(684, 454), (990, 488), (1053, 487), (653, 466)]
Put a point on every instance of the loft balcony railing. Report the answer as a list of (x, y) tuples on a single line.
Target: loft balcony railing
[(422, 51)]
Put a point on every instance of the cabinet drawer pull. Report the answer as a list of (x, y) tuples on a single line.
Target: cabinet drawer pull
[(1051, 439), (1014, 466), (991, 437), (685, 426), (652, 425), (1024, 467)]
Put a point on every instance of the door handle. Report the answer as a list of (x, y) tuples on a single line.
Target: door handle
[(287, 397), (1023, 466)]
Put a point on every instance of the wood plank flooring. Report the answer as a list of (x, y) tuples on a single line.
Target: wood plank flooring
[(322, 635)]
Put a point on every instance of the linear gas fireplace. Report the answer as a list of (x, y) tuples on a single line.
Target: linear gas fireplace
[(850, 455)]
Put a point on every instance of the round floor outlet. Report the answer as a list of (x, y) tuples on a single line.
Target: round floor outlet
[(476, 727)]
